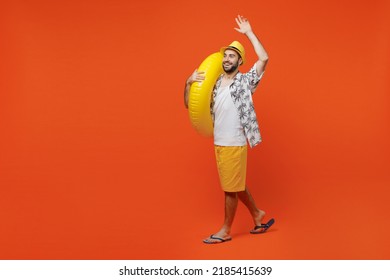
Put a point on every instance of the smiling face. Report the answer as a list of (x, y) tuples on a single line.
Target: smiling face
[(231, 61)]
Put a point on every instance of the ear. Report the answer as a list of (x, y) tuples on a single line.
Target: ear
[(240, 61)]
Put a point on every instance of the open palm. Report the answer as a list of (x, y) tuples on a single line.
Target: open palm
[(243, 25)]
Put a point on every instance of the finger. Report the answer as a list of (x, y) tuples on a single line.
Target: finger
[(199, 80), (238, 21)]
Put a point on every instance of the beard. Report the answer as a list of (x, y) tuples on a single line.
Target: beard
[(230, 68)]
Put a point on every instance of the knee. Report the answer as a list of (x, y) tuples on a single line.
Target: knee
[(231, 194)]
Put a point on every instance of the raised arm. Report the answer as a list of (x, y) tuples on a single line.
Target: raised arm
[(195, 77), (245, 28)]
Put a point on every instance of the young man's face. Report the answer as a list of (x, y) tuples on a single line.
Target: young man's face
[(230, 61)]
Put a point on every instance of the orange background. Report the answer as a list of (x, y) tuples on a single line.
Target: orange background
[(98, 159)]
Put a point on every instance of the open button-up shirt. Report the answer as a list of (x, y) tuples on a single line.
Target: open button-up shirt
[(241, 90)]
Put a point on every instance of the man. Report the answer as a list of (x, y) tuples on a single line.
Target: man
[(235, 122)]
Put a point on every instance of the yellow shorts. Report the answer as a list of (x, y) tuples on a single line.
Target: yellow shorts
[(231, 163)]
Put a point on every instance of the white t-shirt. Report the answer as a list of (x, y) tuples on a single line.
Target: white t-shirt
[(227, 126)]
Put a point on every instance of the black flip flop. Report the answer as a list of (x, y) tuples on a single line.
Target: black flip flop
[(264, 227), (216, 238)]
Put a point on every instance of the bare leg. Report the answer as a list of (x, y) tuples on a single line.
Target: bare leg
[(249, 202), (231, 201)]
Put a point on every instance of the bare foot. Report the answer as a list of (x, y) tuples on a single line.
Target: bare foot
[(259, 217), (219, 237)]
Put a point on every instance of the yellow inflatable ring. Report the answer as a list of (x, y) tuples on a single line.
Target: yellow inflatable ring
[(200, 95)]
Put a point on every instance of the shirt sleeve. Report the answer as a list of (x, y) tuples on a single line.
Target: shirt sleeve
[(253, 78)]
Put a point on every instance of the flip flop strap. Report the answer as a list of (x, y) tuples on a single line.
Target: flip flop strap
[(261, 226), (217, 238)]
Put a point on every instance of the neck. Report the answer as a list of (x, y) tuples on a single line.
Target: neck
[(230, 76)]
